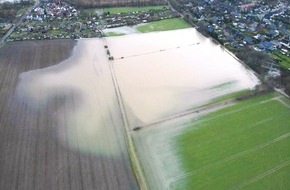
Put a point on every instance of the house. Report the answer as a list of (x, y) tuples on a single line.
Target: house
[(286, 43), (210, 29), (266, 46), (248, 40), (260, 37), (252, 27), (247, 7), (273, 33)]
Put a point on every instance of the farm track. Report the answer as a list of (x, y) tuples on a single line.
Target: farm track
[(192, 112), (32, 156), (129, 140)]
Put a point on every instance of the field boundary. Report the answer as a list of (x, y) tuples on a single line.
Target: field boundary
[(208, 108), (205, 120), (131, 148)]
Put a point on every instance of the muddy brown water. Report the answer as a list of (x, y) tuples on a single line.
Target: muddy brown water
[(164, 73), (61, 124), (61, 127)]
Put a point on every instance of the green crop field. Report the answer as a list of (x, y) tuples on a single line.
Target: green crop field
[(163, 25), (243, 146), (116, 10), (110, 34), (284, 60)]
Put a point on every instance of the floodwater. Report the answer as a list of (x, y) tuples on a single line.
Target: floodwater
[(91, 120), (122, 30), (159, 75), (164, 73)]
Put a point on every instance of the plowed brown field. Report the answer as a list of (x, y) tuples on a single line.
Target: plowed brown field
[(39, 148)]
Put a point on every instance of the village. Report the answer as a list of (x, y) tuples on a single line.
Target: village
[(178, 95), (10, 12), (60, 20), (254, 24), (258, 25)]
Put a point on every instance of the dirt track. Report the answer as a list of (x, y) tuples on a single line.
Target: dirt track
[(43, 146)]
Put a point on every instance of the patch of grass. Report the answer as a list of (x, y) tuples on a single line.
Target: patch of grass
[(224, 85), (284, 60), (56, 32), (164, 25), (238, 147), (231, 96), (116, 10), (111, 34)]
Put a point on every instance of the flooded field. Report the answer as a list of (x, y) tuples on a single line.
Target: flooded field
[(62, 123), (61, 126), (166, 73), (242, 146), (163, 76)]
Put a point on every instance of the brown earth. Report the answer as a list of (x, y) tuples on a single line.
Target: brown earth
[(103, 3), (32, 154)]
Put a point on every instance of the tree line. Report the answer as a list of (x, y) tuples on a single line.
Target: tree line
[(9, 10)]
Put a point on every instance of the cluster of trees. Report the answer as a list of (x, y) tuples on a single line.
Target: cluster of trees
[(286, 81), (7, 15), (9, 10), (255, 61)]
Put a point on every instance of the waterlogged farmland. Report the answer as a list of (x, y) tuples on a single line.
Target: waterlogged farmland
[(241, 146), (61, 126), (165, 78), (63, 120), (166, 73)]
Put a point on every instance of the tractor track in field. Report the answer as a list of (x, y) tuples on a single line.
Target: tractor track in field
[(198, 111), (177, 178), (264, 174)]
